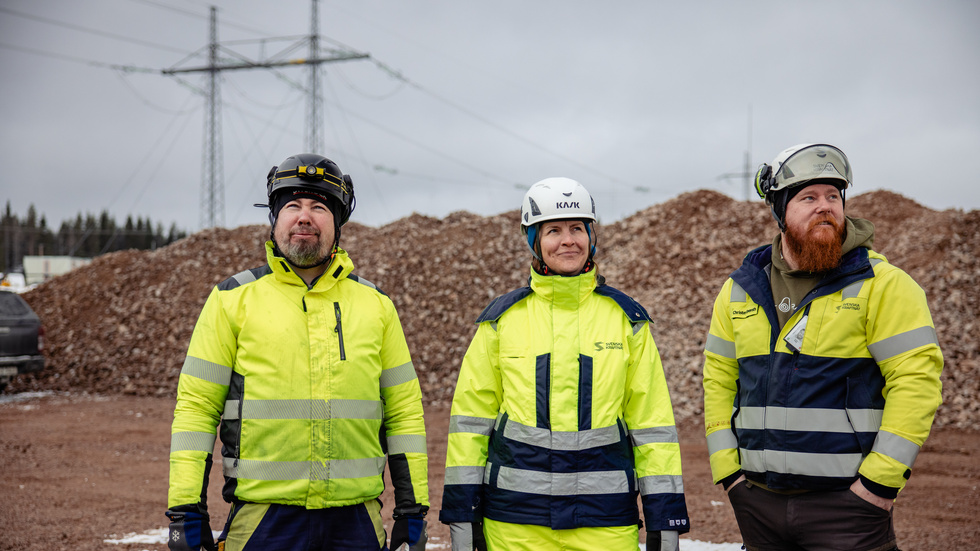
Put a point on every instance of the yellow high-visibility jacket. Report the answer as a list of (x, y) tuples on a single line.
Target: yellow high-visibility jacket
[(311, 386), (561, 414), (855, 396)]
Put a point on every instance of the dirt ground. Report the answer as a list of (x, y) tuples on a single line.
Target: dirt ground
[(80, 469)]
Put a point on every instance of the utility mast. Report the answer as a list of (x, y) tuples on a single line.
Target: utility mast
[(747, 174), (313, 115), (212, 188)]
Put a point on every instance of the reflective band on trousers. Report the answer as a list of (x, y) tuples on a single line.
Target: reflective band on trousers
[(304, 409), (252, 469), (809, 419), (562, 484)]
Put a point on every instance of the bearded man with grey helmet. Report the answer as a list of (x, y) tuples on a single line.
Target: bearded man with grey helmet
[(561, 415), (304, 368), (822, 370)]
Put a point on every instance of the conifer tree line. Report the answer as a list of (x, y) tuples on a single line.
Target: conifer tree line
[(85, 236)]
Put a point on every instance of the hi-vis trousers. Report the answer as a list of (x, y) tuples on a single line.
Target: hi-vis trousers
[(273, 527)]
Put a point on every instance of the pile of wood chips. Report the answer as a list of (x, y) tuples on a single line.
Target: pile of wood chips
[(122, 323)]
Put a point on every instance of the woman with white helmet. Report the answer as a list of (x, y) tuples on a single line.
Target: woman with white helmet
[(561, 415)]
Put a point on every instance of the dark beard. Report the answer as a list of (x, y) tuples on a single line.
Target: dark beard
[(816, 254)]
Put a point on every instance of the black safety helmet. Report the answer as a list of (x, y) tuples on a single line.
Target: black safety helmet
[(312, 175)]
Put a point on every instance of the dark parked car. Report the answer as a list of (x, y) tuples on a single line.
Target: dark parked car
[(21, 338)]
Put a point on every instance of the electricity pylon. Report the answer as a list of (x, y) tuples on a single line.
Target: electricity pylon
[(212, 188)]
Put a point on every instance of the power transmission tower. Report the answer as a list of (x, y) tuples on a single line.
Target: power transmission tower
[(212, 192), (747, 173), (313, 115), (212, 189)]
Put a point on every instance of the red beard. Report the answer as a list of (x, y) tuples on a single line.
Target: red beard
[(816, 250)]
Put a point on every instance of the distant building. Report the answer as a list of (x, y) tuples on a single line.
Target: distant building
[(42, 268)]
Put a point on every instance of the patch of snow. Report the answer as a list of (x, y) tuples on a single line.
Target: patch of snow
[(159, 537)]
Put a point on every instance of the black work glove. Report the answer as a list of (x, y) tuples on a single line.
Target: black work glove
[(663, 540), (409, 531), (467, 536), (189, 531)]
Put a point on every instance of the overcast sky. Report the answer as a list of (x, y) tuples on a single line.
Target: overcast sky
[(462, 105)]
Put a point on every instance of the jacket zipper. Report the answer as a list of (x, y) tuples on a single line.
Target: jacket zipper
[(340, 331)]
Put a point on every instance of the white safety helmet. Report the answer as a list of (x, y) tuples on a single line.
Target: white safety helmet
[(556, 199), (796, 167)]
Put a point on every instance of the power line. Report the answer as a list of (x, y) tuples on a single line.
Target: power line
[(79, 28)]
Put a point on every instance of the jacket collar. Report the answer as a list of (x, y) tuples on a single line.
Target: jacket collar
[(564, 292), (339, 268)]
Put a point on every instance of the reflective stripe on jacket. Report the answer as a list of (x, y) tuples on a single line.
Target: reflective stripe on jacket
[(311, 386), (561, 414), (857, 397)]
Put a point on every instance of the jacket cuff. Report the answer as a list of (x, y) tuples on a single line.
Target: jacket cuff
[(886, 492), (729, 480), (415, 511)]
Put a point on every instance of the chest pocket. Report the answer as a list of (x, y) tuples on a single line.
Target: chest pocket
[(842, 326)]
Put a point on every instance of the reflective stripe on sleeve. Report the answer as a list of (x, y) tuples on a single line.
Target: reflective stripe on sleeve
[(209, 371), (720, 346), (562, 484), (721, 440), (397, 375), (464, 475), (661, 484), (903, 342), (900, 449), (192, 441), (406, 443), (654, 435), (476, 425)]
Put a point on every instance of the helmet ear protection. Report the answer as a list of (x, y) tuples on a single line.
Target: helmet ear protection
[(764, 180)]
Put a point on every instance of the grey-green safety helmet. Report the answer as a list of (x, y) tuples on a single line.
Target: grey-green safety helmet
[(556, 199), (797, 167)]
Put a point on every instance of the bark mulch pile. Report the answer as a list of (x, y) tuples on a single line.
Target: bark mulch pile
[(121, 324)]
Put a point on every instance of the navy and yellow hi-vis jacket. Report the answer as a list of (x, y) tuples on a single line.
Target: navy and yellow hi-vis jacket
[(311, 386), (855, 395), (561, 414)]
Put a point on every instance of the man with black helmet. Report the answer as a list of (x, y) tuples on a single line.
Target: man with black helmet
[(304, 369), (821, 373)]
